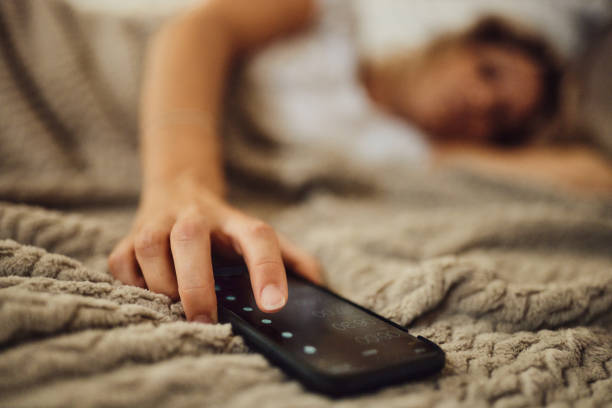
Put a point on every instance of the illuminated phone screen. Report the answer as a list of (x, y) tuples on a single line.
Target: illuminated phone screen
[(331, 334)]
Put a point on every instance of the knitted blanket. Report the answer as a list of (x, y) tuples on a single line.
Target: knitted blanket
[(513, 282)]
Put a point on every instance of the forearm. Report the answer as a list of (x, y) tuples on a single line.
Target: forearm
[(184, 80), (575, 168), (183, 83)]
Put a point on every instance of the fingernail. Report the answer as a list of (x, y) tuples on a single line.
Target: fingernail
[(202, 319), (272, 297)]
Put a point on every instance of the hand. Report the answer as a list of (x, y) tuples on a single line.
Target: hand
[(168, 250)]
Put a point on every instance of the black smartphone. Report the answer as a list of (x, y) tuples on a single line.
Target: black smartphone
[(329, 343)]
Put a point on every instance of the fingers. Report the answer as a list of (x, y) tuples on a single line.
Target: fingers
[(190, 243), (299, 261), (173, 257), (260, 248), (122, 264), (152, 248)]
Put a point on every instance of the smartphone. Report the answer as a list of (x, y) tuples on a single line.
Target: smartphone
[(329, 343)]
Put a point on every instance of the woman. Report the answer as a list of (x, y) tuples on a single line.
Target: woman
[(485, 87)]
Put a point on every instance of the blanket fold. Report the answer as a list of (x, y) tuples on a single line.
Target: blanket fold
[(513, 281)]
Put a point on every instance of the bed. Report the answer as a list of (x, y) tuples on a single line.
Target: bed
[(513, 281)]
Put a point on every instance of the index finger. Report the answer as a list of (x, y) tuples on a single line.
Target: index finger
[(261, 251)]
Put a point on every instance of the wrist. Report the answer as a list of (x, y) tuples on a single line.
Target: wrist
[(182, 152), (186, 181)]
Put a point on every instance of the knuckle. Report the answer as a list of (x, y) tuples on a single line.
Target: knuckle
[(150, 241), (113, 264), (190, 228), (268, 263), (113, 270), (193, 292), (267, 268), (116, 259), (261, 228), (113, 259)]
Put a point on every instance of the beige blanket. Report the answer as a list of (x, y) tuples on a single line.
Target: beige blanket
[(513, 282)]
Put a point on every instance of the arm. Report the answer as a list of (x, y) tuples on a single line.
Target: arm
[(573, 168), (182, 212), (185, 76)]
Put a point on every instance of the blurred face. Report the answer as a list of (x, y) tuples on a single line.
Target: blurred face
[(470, 92)]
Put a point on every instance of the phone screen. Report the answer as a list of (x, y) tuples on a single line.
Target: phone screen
[(331, 334)]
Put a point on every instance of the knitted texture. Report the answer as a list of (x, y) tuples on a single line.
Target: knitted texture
[(513, 282)]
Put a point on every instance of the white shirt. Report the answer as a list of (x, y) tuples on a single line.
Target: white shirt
[(305, 90)]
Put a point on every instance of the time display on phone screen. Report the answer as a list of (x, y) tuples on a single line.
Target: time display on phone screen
[(333, 335)]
